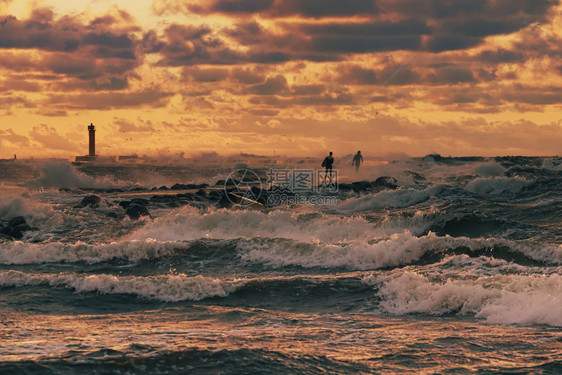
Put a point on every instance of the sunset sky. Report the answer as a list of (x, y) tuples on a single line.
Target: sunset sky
[(298, 77)]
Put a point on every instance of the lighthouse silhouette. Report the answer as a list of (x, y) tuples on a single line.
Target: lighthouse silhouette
[(92, 132)]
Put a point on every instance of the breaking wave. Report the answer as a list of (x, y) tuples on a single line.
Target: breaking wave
[(498, 299), (168, 288)]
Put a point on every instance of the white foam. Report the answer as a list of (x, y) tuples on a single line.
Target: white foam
[(18, 252), (490, 170), (501, 299), (390, 199), (554, 165), (18, 203), (497, 186), (188, 223), (332, 241), (169, 288), (64, 175), (395, 250)]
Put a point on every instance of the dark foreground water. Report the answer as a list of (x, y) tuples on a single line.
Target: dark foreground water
[(458, 270)]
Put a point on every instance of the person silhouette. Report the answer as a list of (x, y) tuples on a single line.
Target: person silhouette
[(328, 163), (357, 160)]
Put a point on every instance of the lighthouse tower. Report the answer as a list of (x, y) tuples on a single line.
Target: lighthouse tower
[(92, 132)]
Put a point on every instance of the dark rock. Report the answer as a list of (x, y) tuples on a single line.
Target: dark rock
[(114, 191), (188, 186), (7, 231), (163, 188), (18, 220), (186, 196), (386, 182), (345, 187), (125, 204), (228, 200), (5, 237), (256, 191), (201, 193), (229, 182), (416, 176), (215, 195), (16, 234), (22, 228), (90, 201), (164, 198), (113, 215), (140, 201), (361, 186), (135, 211)]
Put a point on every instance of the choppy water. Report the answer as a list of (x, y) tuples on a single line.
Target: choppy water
[(456, 271)]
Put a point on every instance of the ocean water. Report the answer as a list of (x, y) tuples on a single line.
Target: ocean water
[(456, 270)]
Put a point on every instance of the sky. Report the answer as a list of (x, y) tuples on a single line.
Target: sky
[(284, 77)]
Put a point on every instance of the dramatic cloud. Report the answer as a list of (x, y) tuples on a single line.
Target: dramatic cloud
[(10, 136), (49, 138), (445, 76), (138, 126), (107, 101)]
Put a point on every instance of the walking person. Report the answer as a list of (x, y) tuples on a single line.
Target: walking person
[(357, 160), (328, 163)]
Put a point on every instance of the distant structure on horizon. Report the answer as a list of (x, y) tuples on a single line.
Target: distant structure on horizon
[(92, 146), (92, 132), (92, 157)]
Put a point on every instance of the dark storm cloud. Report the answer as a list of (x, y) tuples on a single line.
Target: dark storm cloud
[(535, 96), (450, 76), (114, 83), (102, 53), (451, 43), (272, 86), (66, 34), (248, 76), (206, 75), (139, 126), (368, 29), (189, 45), (426, 25), (324, 8), (18, 85), (246, 33), (305, 90), (446, 9), (501, 56), (354, 74), (479, 27), (364, 37), (240, 6), (102, 101), (272, 8), (350, 44)]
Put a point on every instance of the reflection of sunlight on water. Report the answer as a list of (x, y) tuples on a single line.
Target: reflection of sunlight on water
[(392, 344)]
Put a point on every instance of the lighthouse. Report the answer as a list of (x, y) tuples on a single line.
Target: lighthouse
[(92, 132), (91, 157)]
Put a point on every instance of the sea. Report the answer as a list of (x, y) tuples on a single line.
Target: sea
[(430, 265)]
